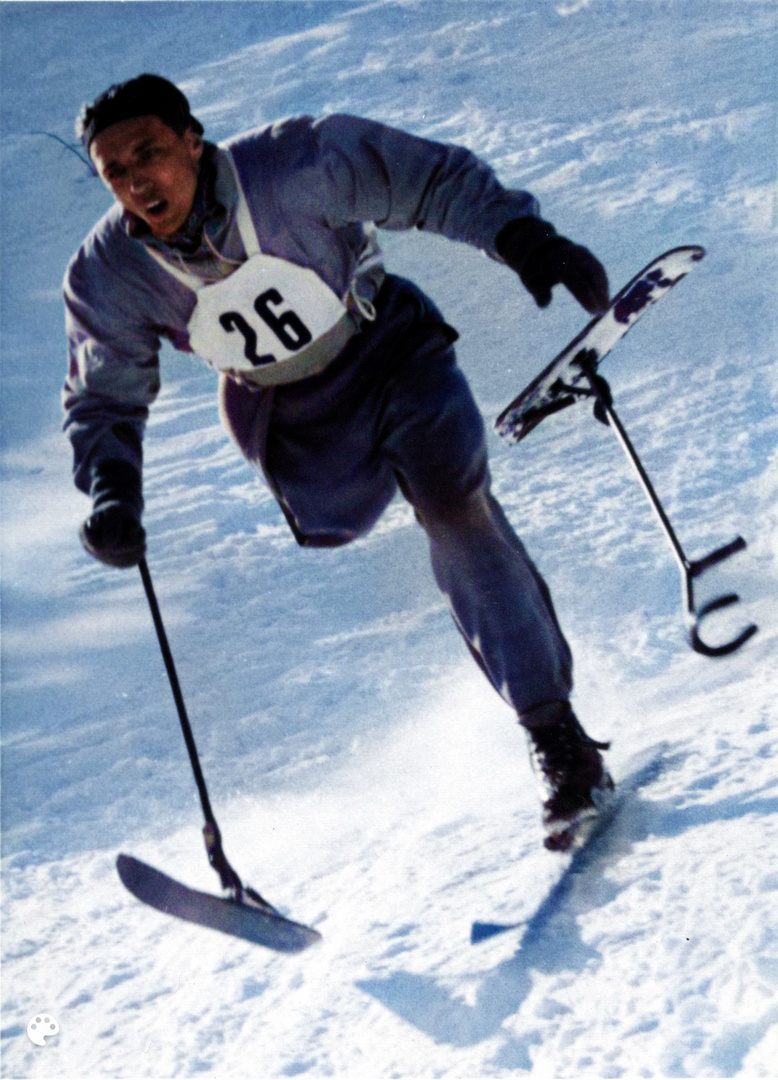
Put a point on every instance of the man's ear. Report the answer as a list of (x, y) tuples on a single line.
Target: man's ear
[(194, 144)]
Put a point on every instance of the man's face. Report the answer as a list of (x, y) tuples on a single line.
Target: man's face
[(150, 169)]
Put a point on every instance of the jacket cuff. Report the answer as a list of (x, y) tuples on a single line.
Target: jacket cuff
[(116, 483)]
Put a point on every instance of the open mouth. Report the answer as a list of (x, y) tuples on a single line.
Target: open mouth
[(156, 209)]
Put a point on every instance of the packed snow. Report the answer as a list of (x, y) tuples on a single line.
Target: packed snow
[(366, 778)]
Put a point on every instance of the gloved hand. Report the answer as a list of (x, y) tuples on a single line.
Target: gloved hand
[(542, 259), (113, 532), (115, 536)]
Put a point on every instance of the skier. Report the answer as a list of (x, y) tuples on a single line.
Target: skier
[(337, 379)]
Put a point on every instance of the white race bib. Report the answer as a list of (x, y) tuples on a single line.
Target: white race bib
[(266, 312), (269, 316)]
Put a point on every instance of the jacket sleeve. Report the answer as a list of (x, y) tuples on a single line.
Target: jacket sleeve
[(113, 367), (370, 172)]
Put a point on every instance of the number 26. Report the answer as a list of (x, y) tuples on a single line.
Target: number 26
[(287, 326)]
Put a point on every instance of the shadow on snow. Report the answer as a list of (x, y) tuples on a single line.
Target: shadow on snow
[(551, 940)]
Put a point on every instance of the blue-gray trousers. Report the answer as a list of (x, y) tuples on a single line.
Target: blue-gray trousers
[(394, 410)]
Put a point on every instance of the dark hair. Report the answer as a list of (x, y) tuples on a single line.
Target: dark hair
[(145, 95)]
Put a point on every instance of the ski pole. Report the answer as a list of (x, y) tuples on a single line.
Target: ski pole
[(690, 568), (213, 841)]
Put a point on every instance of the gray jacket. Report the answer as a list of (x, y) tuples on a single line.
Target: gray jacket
[(312, 187)]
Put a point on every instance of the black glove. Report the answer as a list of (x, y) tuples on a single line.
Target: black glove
[(542, 259), (113, 532)]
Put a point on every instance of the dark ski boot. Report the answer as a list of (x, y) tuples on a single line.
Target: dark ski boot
[(576, 787)]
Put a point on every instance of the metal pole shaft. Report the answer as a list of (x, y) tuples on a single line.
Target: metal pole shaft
[(178, 697), (689, 570), (213, 840), (626, 445)]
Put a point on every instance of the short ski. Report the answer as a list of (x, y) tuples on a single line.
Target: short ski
[(646, 768), (563, 382), (260, 925)]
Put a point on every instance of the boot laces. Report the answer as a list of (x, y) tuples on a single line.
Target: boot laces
[(565, 757)]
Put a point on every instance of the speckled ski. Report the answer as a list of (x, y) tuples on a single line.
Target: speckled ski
[(563, 382)]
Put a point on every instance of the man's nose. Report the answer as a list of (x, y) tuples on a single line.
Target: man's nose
[(139, 182)]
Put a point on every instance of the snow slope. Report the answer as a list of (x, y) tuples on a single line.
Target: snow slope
[(365, 777)]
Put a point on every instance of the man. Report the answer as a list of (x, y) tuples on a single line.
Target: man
[(337, 379)]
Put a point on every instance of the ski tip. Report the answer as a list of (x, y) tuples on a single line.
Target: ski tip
[(131, 872)]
